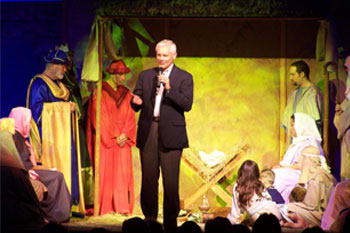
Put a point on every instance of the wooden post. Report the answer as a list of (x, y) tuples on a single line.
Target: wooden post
[(326, 109), (98, 119), (283, 87), (80, 179)]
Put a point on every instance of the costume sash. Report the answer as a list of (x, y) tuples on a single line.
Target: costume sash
[(56, 138), (118, 95), (60, 91)]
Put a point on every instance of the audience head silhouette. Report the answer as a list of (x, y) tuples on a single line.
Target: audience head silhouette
[(134, 225), (267, 223), (315, 229), (154, 226), (189, 227), (218, 224), (240, 228)]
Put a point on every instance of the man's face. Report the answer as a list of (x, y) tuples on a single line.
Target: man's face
[(164, 57), (295, 77), (58, 70), (118, 78)]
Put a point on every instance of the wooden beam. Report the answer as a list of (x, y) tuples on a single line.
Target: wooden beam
[(204, 187), (99, 25)]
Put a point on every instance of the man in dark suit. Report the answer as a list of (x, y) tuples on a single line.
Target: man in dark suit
[(162, 94)]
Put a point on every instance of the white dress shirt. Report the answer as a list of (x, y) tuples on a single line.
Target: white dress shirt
[(160, 90)]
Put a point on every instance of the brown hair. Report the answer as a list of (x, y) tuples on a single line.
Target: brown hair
[(248, 182)]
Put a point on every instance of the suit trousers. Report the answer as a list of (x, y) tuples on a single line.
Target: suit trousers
[(154, 157)]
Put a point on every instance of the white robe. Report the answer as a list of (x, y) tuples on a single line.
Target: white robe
[(307, 136), (258, 206)]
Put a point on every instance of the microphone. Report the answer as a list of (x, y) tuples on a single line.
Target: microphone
[(160, 71)]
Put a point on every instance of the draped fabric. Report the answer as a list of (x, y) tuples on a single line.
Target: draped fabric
[(70, 81), (116, 173), (22, 117), (307, 136), (57, 202), (338, 201), (42, 90), (20, 208), (56, 138), (7, 124), (8, 153), (342, 123), (91, 69), (48, 185), (47, 100), (319, 184)]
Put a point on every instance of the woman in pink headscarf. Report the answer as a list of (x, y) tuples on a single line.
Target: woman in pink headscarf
[(57, 202)]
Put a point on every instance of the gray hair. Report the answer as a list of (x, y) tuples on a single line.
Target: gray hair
[(169, 43)]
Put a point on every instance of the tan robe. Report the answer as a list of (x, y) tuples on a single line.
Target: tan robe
[(319, 184), (315, 201), (342, 122)]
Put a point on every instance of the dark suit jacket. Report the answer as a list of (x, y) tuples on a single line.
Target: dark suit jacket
[(172, 125)]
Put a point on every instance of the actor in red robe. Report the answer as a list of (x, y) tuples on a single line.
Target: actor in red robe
[(118, 134)]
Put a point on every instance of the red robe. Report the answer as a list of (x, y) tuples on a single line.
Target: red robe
[(116, 169)]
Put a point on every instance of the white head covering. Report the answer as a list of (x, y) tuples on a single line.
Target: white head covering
[(347, 91), (307, 135), (305, 127)]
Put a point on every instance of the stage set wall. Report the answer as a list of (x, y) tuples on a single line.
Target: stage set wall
[(236, 66), (237, 103)]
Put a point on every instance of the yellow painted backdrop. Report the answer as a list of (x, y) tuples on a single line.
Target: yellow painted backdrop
[(236, 101)]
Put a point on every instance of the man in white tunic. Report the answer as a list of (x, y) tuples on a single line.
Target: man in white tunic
[(306, 97)]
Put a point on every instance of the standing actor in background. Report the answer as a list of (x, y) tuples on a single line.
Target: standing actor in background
[(70, 81), (342, 122), (118, 134), (52, 135), (305, 98), (162, 94)]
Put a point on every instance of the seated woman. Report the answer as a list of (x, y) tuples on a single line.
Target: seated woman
[(57, 203), (306, 140), (20, 208), (319, 184), (250, 195)]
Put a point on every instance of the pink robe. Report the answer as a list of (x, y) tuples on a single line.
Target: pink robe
[(116, 169)]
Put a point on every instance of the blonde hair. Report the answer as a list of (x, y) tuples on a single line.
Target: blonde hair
[(267, 177), (298, 194)]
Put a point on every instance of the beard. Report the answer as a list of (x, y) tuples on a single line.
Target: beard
[(59, 75)]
